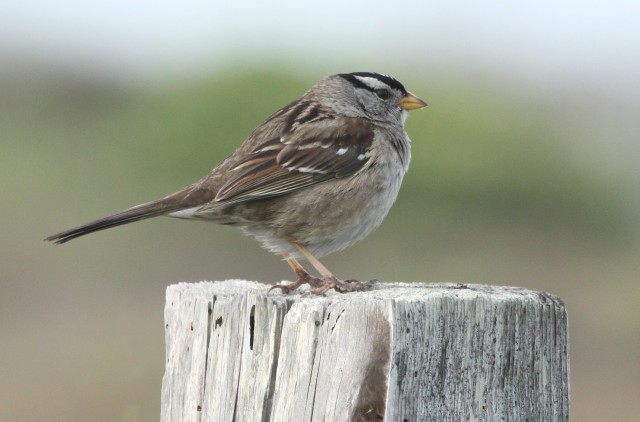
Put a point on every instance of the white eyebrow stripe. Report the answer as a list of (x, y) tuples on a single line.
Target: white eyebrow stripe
[(372, 83)]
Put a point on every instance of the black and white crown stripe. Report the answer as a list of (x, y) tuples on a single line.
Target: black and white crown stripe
[(373, 81)]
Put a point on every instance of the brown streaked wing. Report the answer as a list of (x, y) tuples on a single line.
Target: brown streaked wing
[(307, 154)]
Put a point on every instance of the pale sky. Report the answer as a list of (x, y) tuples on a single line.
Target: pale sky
[(543, 39)]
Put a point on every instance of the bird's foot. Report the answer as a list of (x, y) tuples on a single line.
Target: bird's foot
[(321, 286), (303, 278), (343, 286)]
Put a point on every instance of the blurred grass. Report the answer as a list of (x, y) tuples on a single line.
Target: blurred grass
[(473, 154), (499, 191)]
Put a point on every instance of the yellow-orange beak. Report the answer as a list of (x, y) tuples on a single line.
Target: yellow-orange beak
[(411, 102)]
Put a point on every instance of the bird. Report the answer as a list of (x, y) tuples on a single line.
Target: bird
[(317, 176)]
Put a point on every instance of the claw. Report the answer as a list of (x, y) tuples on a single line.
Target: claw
[(321, 285), (343, 286), (303, 278)]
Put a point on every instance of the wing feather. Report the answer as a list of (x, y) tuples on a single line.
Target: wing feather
[(305, 154)]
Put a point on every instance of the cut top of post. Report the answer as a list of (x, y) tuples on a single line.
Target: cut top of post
[(401, 351)]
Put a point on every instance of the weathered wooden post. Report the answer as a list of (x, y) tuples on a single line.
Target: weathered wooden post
[(400, 352)]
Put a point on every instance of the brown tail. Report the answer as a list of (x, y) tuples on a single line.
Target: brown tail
[(151, 209)]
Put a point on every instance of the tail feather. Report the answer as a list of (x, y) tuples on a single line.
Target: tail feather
[(137, 213)]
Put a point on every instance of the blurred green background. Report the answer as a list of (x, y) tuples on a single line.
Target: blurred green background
[(524, 173)]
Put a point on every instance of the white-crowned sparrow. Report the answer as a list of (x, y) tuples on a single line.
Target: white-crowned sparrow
[(314, 178)]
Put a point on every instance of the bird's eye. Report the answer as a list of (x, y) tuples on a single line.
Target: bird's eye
[(383, 94)]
